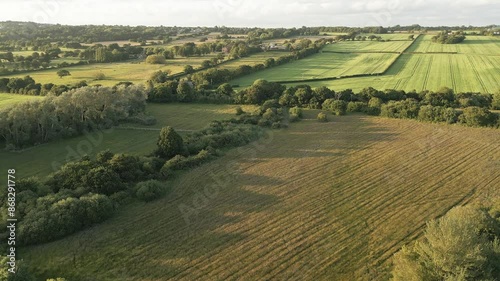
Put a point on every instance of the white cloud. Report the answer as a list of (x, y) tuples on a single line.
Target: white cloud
[(253, 13)]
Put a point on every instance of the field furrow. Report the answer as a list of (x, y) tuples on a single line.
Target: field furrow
[(334, 203)]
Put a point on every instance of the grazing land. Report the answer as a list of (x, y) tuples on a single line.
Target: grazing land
[(135, 71), (10, 99), (129, 138), (322, 65), (318, 201)]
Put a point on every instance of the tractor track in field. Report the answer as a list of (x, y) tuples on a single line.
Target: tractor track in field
[(427, 74), (478, 77)]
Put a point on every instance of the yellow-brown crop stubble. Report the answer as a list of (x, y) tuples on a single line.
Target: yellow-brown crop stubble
[(328, 201)]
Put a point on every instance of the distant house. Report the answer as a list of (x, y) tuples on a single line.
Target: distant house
[(274, 46)]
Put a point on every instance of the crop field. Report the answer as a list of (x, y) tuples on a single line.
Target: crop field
[(475, 67), (368, 46), (472, 45), (463, 73), (130, 138), (323, 65), (10, 99), (317, 201)]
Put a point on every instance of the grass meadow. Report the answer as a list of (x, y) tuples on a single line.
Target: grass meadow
[(11, 99), (129, 138), (322, 65)]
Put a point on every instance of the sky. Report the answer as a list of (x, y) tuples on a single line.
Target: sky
[(260, 13)]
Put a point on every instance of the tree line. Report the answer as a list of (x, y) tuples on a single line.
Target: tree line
[(471, 109), (72, 113), (28, 86)]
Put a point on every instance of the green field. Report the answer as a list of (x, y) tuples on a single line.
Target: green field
[(463, 73), (368, 46), (129, 138), (317, 201), (322, 65), (136, 72), (10, 99), (472, 45), (475, 67)]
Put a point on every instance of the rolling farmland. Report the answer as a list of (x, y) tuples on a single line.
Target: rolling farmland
[(323, 65), (368, 46), (319, 201), (136, 72), (129, 138), (472, 66)]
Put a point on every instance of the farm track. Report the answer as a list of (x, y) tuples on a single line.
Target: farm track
[(333, 203), (452, 74)]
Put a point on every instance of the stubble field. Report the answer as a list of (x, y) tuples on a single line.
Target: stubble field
[(326, 201)]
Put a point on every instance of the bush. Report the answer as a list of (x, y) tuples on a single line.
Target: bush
[(476, 117), (400, 109), (337, 107), (293, 118), (438, 114), (239, 111), (322, 117), (169, 143), (150, 190), (61, 216), (103, 180), (99, 76), (156, 59), (462, 245), (296, 111), (356, 106)]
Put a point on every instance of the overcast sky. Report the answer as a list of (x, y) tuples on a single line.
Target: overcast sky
[(262, 13)]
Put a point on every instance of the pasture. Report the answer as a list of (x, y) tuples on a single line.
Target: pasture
[(317, 201), (368, 46), (129, 138), (132, 71), (11, 99), (322, 65)]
